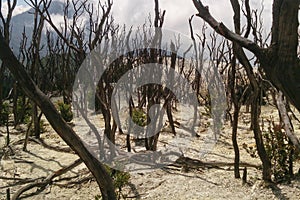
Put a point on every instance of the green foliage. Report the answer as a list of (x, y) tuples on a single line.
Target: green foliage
[(120, 179), (65, 111), (280, 152), (4, 113), (139, 117)]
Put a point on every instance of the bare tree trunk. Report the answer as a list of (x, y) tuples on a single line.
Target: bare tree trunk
[(237, 25), (15, 104), (235, 143), (235, 121), (151, 90), (255, 112), (36, 121)]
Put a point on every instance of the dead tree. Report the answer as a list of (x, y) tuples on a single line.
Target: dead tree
[(6, 22), (71, 41), (151, 90), (279, 60), (60, 126), (34, 58)]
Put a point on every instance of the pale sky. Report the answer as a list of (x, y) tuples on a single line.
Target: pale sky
[(179, 11), (135, 12)]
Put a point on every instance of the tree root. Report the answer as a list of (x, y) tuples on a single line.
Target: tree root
[(48, 180)]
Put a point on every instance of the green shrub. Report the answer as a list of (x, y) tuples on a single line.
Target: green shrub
[(65, 111), (120, 179), (280, 152), (139, 117)]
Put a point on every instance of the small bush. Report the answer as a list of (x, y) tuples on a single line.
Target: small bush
[(280, 152), (120, 179), (139, 117), (65, 111)]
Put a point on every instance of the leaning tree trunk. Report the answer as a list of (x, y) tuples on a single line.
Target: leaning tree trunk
[(60, 126)]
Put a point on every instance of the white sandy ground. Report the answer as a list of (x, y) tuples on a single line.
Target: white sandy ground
[(169, 183)]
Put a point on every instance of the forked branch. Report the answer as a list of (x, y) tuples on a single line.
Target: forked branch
[(220, 28)]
